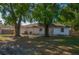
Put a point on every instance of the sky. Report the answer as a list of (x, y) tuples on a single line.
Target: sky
[(1, 18)]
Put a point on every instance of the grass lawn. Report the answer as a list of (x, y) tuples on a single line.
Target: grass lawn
[(5, 37), (42, 45), (51, 45)]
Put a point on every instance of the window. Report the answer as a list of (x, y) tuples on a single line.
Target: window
[(40, 29), (25, 32), (30, 32), (62, 29)]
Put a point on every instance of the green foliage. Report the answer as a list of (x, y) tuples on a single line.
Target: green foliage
[(45, 13), (12, 12), (67, 16), (75, 9)]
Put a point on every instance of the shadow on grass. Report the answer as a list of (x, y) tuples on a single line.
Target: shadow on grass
[(42, 46), (51, 45)]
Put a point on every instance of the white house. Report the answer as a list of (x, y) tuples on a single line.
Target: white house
[(35, 29), (54, 29), (61, 31)]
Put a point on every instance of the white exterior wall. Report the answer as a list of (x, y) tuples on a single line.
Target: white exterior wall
[(35, 31), (57, 31), (52, 31), (29, 30), (0, 31), (22, 30), (38, 32)]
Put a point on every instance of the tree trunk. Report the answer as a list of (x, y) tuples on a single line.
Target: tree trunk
[(17, 28), (46, 30), (46, 25), (17, 25)]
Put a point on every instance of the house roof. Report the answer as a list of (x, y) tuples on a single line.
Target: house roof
[(59, 25), (6, 26), (36, 25)]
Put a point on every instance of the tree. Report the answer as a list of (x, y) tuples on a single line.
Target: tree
[(70, 15), (66, 16), (45, 14), (14, 14), (75, 8)]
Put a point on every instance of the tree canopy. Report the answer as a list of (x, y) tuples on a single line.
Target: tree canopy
[(14, 13)]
